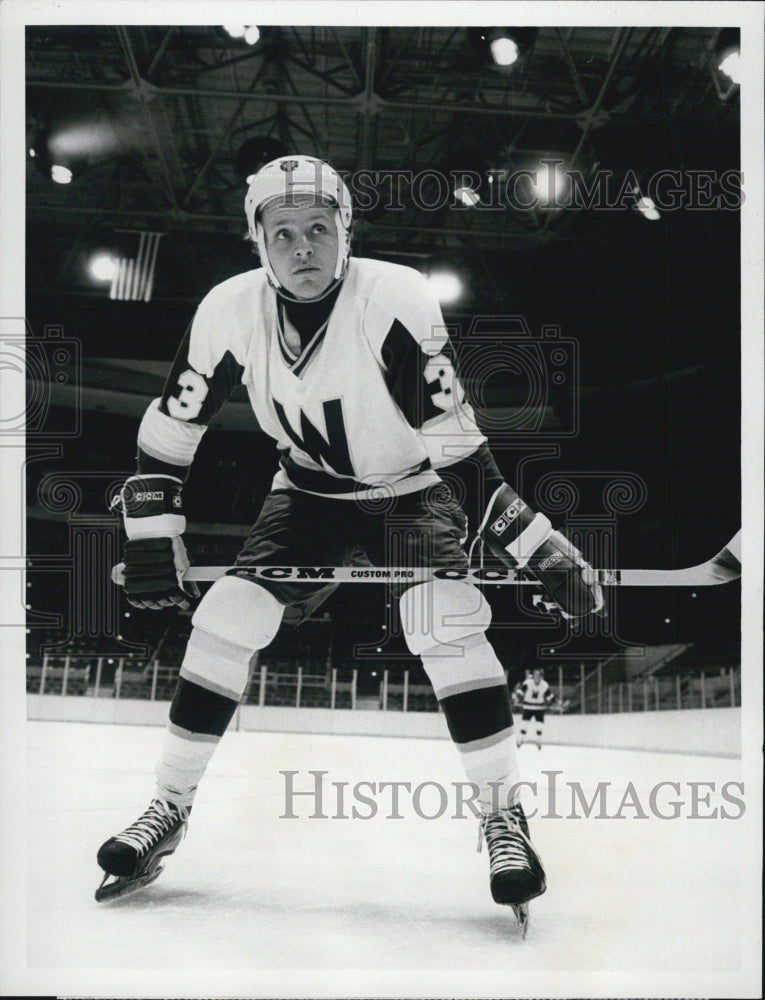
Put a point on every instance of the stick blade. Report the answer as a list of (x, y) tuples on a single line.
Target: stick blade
[(726, 565)]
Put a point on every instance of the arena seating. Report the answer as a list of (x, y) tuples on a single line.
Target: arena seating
[(703, 676), (76, 678)]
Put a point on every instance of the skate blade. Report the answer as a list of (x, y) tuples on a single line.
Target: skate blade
[(125, 885), (521, 911)]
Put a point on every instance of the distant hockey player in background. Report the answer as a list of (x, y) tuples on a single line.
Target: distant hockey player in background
[(534, 695), (516, 695), (349, 368)]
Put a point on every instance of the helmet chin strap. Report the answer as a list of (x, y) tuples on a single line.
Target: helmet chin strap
[(260, 243)]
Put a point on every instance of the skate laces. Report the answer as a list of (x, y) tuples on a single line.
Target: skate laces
[(148, 829), (509, 847)]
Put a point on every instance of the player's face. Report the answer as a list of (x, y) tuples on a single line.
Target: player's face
[(301, 240)]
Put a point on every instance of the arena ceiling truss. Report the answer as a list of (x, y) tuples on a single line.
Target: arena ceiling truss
[(161, 112)]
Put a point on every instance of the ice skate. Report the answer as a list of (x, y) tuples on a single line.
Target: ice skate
[(516, 871), (132, 858)]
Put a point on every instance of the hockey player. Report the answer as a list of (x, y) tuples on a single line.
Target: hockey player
[(349, 368), (516, 695), (536, 695)]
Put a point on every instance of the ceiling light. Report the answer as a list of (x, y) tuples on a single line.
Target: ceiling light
[(250, 33), (725, 62), (647, 208), (467, 195), (504, 51), (730, 65), (550, 184), (103, 267), (64, 148), (446, 285), (60, 174), (502, 47)]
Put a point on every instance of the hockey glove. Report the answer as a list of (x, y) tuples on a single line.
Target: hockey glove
[(154, 555), (525, 540)]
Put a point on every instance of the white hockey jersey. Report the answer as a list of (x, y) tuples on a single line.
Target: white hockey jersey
[(535, 696), (371, 402)]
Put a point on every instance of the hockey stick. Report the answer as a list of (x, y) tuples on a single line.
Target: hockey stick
[(722, 568)]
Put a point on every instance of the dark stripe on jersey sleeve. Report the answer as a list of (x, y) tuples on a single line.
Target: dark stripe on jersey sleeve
[(405, 363), (475, 715), (474, 479), (476, 468), (224, 379), (148, 465)]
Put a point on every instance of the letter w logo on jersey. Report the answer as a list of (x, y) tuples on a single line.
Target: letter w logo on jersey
[(331, 451)]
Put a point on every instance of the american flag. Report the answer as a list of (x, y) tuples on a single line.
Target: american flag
[(134, 277)]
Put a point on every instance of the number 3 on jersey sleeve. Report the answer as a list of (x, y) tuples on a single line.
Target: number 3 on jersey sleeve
[(443, 385), (187, 404)]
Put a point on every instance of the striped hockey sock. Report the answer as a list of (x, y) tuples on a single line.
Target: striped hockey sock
[(470, 684), (198, 719)]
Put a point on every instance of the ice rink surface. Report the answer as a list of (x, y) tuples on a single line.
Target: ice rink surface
[(254, 904)]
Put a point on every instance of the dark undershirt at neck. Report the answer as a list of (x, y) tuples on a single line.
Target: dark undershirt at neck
[(307, 317)]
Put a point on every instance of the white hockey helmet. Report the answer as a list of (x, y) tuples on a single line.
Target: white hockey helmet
[(294, 175)]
